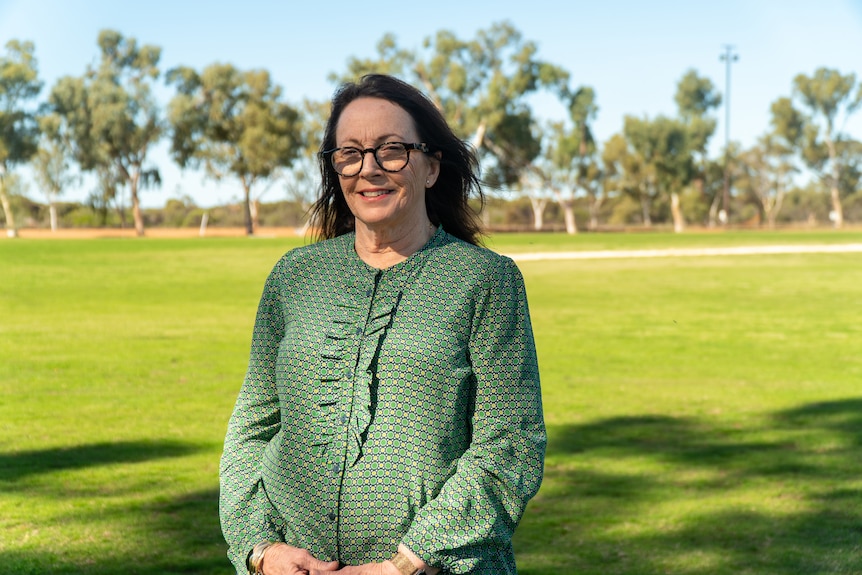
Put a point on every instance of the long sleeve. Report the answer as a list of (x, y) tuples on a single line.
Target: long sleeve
[(245, 515), (468, 526)]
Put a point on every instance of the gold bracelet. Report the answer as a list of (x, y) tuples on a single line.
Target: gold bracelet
[(405, 565), (255, 558)]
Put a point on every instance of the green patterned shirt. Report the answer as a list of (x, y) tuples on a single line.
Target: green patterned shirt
[(387, 406)]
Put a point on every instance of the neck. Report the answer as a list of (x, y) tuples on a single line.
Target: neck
[(385, 248)]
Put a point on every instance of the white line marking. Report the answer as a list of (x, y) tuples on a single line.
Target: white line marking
[(688, 252)]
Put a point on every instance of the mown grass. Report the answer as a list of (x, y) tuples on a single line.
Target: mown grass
[(586, 241), (705, 414)]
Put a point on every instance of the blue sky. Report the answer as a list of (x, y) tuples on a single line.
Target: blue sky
[(632, 52)]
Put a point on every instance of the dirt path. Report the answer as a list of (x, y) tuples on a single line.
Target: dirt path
[(211, 232), (689, 252)]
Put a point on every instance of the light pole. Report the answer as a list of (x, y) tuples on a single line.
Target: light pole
[(728, 58)]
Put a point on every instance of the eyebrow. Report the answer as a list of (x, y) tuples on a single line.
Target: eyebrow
[(382, 140)]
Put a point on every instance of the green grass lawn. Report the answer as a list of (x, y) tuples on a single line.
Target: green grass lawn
[(547, 242), (704, 414)]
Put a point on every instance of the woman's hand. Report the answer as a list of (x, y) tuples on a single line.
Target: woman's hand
[(385, 568), (283, 559)]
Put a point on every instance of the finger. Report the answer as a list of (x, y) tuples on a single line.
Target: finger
[(325, 566)]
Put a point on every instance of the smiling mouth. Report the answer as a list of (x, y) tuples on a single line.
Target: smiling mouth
[(374, 194)]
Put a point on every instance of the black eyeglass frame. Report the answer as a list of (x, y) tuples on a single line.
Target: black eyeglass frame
[(408, 147)]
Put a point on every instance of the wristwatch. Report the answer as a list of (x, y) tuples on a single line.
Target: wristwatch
[(405, 565)]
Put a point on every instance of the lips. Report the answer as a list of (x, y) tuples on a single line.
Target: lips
[(374, 193)]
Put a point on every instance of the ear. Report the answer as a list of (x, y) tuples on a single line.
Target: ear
[(433, 169)]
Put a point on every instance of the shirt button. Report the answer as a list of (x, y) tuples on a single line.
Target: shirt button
[(343, 419), (336, 468), (368, 293), (348, 373), (331, 516), (358, 331)]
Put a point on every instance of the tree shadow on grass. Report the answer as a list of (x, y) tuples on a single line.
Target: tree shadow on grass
[(818, 541), (842, 417), (174, 535), (594, 520), (573, 525), (17, 466), (182, 537)]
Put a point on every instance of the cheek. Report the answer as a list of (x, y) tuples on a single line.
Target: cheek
[(416, 181), (346, 187)]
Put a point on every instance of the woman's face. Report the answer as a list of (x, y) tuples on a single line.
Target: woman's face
[(379, 200)]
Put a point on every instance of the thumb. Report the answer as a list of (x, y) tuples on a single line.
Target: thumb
[(317, 566)]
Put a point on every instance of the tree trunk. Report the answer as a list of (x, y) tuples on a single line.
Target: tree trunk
[(479, 136), (246, 209), (595, 206), (645, 207), (254, 209), (136, 212), (52, 212), (776, 206), (837, 215), (569, 215), (713, 210), (11, 230), (539, 205), (678, 220)]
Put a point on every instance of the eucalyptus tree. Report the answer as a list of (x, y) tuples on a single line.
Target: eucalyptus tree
[(660, 158), (663, 145), (521, 146), (850, 179), (302, 179), (127, 120), (755, 179), (481, 85), (111, 116), (53, 172), (766, 169), (19, 130), (511, 166), (830, 98), (233, 123), (106, 194), (695, 98), (709, 185), (572, 163), (626, 173)]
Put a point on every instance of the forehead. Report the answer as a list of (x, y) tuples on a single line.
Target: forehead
[(374, 118)]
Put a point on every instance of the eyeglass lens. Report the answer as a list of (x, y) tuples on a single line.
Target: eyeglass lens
[(390, 156)]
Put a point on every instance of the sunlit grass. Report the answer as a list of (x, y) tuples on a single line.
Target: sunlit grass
[(704, 414), (587, 241)]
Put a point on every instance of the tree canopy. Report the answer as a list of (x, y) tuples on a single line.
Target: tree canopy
[(19, 131), (240, 124), (232, 122)]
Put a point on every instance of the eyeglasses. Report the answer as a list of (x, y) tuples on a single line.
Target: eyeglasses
[(390, 156)]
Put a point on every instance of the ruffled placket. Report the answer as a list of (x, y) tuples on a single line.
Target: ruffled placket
[(363, 312)]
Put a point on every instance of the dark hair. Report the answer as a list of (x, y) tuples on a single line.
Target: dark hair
[(446, 201)]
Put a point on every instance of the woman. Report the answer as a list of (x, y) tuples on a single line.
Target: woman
[(390, 420)]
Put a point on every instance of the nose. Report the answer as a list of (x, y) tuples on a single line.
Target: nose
[(369, 165)]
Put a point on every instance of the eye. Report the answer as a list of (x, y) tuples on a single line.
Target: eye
[(390, 150), (347, 154)]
